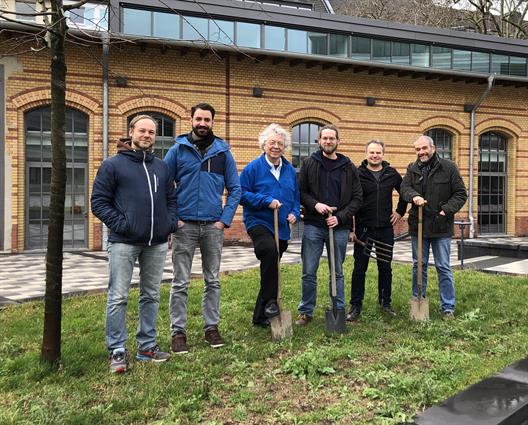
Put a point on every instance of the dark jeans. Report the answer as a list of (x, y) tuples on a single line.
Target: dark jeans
[(361, 262), (266, 251)]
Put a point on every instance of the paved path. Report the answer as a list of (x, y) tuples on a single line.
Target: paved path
[(22, 276)]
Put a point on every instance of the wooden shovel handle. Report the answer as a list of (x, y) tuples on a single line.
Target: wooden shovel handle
[(276, 231), (419, 256), (332, 259)]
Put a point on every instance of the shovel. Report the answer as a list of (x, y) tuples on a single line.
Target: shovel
[(335, 318), (281, 325), (419, 304)]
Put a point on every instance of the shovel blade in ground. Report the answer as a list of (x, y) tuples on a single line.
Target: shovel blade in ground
[(281, 326), (335, 321), (419, 309)]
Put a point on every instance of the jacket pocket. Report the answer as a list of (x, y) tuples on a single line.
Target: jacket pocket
[(440, 224), (215, 165)]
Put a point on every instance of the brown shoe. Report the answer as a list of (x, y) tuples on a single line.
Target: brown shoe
[(303, 320), (179, 343), (213, 338)]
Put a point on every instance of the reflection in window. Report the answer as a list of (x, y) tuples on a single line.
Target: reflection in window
[(248, 35), (297, 41), (420, 55), (480, 62), (137, 22), (361, 48), (274, 38), (461, 60), (441, 57), (517, 66), (500, 64), (317, 43), (195, 28), (443, 141), (166, 25), (304, 141), (338, 45), (381, 50), (221, 31), (400, 53), (23, 7)]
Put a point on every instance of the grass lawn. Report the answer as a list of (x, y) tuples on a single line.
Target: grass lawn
[(383, 371)]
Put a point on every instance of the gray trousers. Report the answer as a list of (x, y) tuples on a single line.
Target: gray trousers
[(184, 241)]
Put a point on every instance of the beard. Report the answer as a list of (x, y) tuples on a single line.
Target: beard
[(202, 131), (329, 150)]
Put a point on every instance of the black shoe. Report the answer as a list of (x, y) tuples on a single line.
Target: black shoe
[(353, 314), (264, 324), (271, 309), (387, 309)]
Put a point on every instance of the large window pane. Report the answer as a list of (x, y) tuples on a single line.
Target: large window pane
[(400, 53), (195, 28), (248, 35), (480, 62), (166, 25), (23, 7), (441, 57), (517, 66), (500, 64), (137, 22), (297, 41), (461, 60), (443, 141), (274, 38), (338, 45), (381, 50), (420, 55), (361, 48), (221, 31), (317, 43)]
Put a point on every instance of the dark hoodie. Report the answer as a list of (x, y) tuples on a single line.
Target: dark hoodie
[(337, 186), (135, 197)]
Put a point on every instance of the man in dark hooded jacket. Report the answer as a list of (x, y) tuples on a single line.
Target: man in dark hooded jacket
[(435, 184)]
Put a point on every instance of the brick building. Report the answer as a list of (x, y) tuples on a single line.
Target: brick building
[(290, 62)]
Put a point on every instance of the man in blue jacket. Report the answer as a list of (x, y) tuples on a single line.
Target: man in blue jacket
[(201, 166), (134, 196)]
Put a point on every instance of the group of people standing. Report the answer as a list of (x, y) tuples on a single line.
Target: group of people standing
[(143, 200)]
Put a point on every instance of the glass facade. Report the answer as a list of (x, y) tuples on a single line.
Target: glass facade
[(357, 47)]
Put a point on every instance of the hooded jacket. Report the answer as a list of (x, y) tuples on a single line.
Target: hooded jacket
[(200, 181), (376, 209), (133, 195), (444, 190), (350, 196)]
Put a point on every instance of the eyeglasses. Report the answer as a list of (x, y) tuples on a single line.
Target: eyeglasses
[(275, 143)]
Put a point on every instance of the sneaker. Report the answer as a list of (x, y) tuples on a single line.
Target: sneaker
[(118, 361), (303, 320), (152, 355), (353, 314), (179, 343), (448, 315), (387, 309), (213, 338)]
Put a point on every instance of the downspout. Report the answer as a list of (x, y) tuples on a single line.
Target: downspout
[(472, 111), (228, 97), (106, 50)]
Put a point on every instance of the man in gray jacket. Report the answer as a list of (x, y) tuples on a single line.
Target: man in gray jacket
[(435, 184)]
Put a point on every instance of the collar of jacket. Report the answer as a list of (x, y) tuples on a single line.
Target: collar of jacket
[(415, 168), (285, 162), (137, 156), (384, 165), (341, 160), (219, 145)]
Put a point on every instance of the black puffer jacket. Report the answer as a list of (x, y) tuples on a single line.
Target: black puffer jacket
[(377, 196), (444, 190), (350, 197), (135, 197)]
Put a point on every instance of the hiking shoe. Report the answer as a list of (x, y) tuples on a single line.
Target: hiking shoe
[(179, 343), (118, 361), (387, 309), (353, 314), (213, 338), (152, 355), (448, 315), (303, 320)]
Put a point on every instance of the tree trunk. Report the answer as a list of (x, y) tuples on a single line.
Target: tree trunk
[(51, 340)]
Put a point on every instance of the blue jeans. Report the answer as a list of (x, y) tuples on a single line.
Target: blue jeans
[(184, 241), (313, 240), (121, 259), (441, 252)]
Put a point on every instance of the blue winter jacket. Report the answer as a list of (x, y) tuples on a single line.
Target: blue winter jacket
[(260, 187), (134, 196), (200, 181)]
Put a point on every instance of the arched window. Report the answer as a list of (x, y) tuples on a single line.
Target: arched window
[(38, 178), (165, 134), (304, 141), (443, 140)]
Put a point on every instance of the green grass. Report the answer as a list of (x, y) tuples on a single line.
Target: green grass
[(383, 371)]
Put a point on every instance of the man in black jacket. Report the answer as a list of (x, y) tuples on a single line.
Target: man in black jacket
[(435, 184), (134, 196), (374, 220), (329, 183)]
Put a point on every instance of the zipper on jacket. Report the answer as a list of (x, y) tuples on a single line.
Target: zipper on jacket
[(151, 200)]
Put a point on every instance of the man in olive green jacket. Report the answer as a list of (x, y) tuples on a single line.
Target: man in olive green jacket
[(434, 183)]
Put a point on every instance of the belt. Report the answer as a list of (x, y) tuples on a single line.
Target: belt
[(199, 222)]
